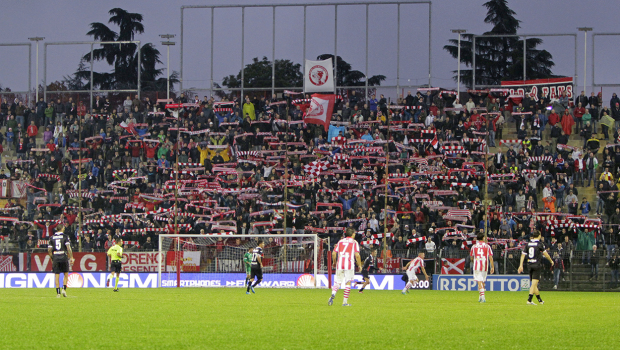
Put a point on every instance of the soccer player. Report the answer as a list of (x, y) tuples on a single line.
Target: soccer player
[(256, 271), (534, 250), (247, 261), (369, 264), (412, 267), (347, 254), (116, 256), (58, 249), (482, 256)]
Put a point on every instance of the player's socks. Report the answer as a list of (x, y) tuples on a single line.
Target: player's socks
[(539, 299), (347, 290), (334, 290), (362, 289), (116, 282), (529, 299), (482, 294), (58, 291), (407, 287), (64, 287)]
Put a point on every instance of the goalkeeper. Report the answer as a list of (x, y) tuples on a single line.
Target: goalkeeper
[(247, 261)]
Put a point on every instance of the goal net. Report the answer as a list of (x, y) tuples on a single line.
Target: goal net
[(289, 260)]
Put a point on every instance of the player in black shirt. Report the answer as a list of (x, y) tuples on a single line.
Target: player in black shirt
[(256, 268), (534, 250), (59, 250), (369, 264)]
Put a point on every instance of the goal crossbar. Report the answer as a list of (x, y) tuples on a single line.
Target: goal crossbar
[(161, 257)]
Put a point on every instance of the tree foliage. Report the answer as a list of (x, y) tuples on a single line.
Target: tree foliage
[(258, 75), (122, 57), (500, 59), (288, 74)]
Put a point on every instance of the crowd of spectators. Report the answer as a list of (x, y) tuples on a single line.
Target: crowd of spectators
[(234, 159)]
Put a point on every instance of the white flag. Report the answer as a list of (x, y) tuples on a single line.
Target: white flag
[(319, 76)]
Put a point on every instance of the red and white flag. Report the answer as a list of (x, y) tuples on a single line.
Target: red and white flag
[(320, 110), (6, 263), (314, 169), (452, 266), (435, 142), (319, 76), (128, 127)]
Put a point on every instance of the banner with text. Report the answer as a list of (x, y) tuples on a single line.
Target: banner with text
[(536, 89), (141, 262), (90, 262), (494, 283)]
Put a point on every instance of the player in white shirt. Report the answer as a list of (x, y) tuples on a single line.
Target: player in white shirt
[(412, 267), (482, 257), (346, 253)]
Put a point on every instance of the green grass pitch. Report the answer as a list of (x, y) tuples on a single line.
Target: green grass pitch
[(211, 318)]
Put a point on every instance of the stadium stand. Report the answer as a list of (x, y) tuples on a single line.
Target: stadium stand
[(537, 169)]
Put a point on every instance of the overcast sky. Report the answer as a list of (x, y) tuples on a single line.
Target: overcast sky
[(68, 20)]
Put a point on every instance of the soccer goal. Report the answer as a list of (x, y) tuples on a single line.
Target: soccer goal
[(289, 260)]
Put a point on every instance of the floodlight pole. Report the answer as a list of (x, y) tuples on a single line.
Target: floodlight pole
[(36, 85), (167, 44), (585, 31), (458, 62)]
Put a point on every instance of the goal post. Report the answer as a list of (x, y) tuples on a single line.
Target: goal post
[(216, 260)]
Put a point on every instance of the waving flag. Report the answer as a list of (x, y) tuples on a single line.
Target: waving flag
[(129, 128), (319, 76), (314, 169), (320, 110)]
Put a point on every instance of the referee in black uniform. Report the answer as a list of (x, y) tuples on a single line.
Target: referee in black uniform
[(59, 250), (534, 250)]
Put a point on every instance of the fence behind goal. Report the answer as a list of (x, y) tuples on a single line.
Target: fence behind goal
[(289, 261)]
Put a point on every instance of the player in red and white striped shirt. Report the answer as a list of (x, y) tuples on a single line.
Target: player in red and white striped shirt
[(347, 254), (412, 267), (482, 257)]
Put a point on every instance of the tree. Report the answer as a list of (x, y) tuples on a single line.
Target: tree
[(500, 59), (289, 74), (346, 76), (123, 57), (76, 81), (258, 75)]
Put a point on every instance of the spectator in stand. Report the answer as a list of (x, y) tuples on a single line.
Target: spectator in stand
[(32, 130), (87, 244), (585, 207), (613, 267), (558, 269), (594, 258)]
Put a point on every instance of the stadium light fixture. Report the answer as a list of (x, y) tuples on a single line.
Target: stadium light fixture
[(458, 61), (36, 85), (585, 31), (167, 44)]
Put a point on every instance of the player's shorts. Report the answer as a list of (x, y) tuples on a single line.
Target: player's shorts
[(412, 276), (116, 266), (344, 276), (365, 274), (60, 266), (256, 271), (248, 270), (534, 273), (480, 276)]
